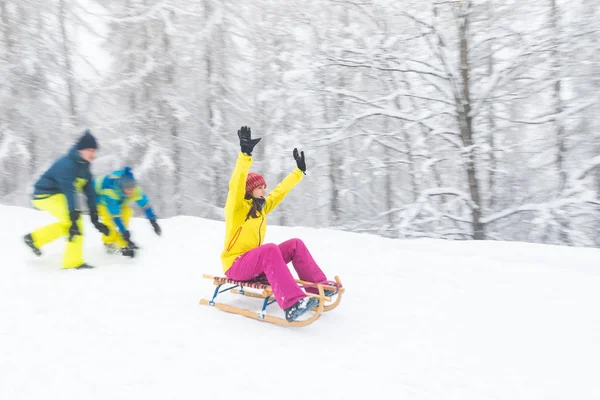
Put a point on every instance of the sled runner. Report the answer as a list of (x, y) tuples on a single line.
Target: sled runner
[(262, 290)]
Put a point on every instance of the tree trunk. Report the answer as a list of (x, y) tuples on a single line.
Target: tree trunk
[(69, 73), (492, 162), (173, 122), (465, 121), (558, 120), (10, 112), (557, 98), (215, 45)]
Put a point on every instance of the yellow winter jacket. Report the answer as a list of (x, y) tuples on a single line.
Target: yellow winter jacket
[(242, 235)]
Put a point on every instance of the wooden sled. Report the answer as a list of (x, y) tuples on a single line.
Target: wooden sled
[(328, 306), (339, 288), (266, 294)]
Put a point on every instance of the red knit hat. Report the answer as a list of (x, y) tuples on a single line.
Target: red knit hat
[(253, 181)]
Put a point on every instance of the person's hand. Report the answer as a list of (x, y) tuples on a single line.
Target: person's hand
[(156, 227), (99, 225), (246, 142), (74, 229), (103, 229), (300, 162), (127, 237)]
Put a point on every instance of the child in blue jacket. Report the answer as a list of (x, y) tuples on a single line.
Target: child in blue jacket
[(114, 193)]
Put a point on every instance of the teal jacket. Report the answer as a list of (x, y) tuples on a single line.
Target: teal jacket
[(67, 175), (110, 194)]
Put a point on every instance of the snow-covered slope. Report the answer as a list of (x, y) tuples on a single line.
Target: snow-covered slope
[(420, 319)]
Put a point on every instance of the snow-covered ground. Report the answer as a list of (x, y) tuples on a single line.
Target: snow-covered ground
[(421, 319)]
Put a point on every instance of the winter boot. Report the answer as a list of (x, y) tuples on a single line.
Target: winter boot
[(330, 292), (292, 313), (327, 293), (29, 242), (84, 266), (128, 252)]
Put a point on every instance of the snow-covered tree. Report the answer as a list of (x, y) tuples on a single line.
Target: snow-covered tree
[(449, 119)]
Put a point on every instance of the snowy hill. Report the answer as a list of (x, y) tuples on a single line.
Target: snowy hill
[(421, 319)]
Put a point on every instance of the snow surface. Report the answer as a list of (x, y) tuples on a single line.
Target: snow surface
[(421, 319)]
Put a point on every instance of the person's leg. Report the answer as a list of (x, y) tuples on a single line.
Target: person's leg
[(267, 258), (56, 205), (74, 251), (295, 250), (113, 233), (126, 214)]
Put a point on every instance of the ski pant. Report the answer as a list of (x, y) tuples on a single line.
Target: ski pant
[(114, 237), (57, 205), (272, 259)]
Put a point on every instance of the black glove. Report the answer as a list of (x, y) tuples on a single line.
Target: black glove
[(127, 237), (98, 225), (94, 217), (74, 229), (246, 142), (156, 227), (259, 203), (300, 161)]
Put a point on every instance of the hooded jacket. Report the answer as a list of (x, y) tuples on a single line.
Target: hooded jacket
[(67, 175), (243, 234), (110, 194)]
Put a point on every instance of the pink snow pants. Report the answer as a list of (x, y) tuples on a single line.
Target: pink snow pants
[(272, 259)]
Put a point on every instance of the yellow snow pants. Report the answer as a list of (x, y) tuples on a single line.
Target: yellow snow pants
[(114, 237), (57, 205)]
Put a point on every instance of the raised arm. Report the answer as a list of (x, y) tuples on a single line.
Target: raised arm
[(237, 183), (282, 189), (287, 184)]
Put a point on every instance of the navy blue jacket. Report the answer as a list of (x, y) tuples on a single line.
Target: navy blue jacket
[(67, 175)]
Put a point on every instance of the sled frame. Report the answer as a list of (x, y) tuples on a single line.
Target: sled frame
[(268, 299), (327, 307)]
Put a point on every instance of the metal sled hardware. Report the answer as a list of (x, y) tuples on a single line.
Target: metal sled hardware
[(262, 290)]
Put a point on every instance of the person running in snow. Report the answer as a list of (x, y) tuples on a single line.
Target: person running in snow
[(245, 257), (55, 192), (115, 192)]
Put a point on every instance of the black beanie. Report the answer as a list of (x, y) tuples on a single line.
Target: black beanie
[(87, 141)]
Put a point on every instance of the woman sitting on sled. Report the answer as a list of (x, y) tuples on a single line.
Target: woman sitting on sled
[(245, 257)]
